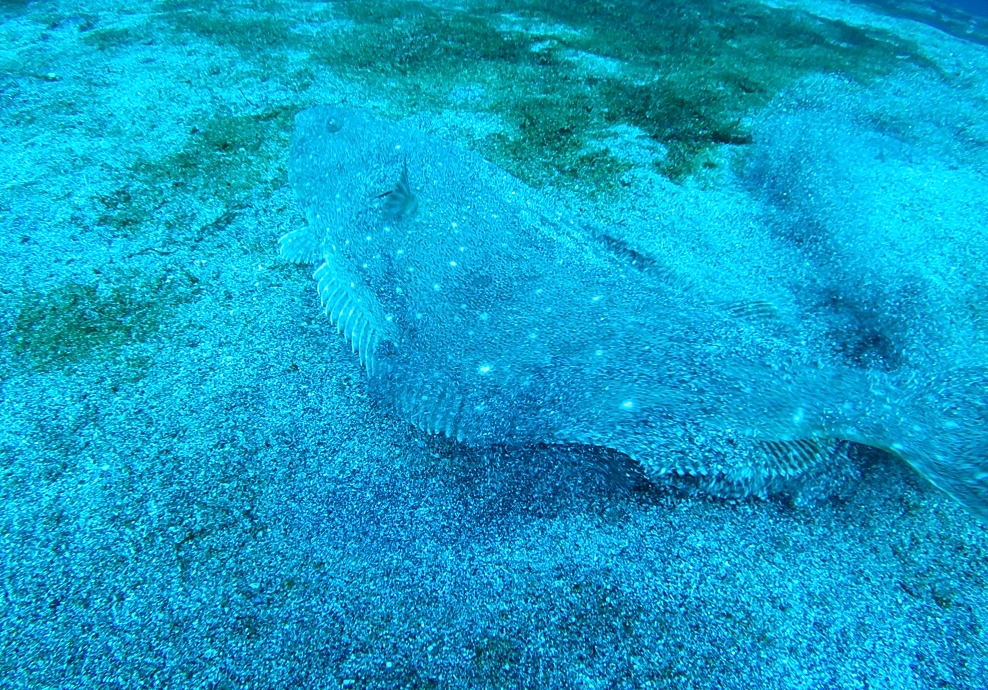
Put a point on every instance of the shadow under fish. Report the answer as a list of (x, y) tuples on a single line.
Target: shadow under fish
[(485, 311)]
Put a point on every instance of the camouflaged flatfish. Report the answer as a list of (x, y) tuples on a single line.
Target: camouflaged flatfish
[(483, 310)]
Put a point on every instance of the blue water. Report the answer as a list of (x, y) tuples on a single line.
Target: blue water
[(975, 7)]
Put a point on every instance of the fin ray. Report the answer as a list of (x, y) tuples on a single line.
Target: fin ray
[(302, 246), (351, 312)]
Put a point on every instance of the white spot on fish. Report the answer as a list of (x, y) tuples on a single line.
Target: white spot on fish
[(452, 263), (798, 416), (484, 369), (628, 405)]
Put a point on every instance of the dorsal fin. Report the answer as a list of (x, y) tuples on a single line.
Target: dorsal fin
[(790, 458)]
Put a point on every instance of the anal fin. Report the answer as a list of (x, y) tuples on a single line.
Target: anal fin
[(784, 459), (735, 467)]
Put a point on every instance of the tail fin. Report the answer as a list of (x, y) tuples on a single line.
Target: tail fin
[(944, 435)]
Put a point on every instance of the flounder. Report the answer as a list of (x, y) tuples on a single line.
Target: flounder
[(484, 311)]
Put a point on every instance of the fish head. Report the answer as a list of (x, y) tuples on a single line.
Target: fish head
[(351, 177)]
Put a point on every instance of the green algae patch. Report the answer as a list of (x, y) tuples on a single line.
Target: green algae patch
[(13, 6), (225, 159), (111, 38), (126, 209), (76, 323), (556, 82), (561, 76), (259, 33)]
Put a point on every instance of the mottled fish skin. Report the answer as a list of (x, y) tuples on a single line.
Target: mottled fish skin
[(484, 311)]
